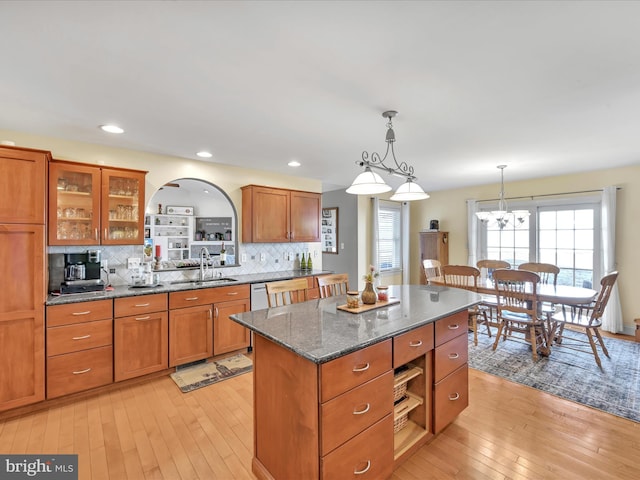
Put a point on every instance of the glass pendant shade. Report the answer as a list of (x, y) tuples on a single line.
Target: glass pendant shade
[(368, 183), (409, 191)]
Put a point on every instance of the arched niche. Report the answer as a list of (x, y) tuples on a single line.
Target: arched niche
[(211, 209)]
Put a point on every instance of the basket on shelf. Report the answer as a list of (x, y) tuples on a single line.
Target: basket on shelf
[(399, 391), (400, 422)]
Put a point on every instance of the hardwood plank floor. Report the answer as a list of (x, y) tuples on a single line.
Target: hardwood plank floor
[(153, 431)]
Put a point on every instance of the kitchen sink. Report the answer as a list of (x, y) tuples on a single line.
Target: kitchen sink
[(208, 281)]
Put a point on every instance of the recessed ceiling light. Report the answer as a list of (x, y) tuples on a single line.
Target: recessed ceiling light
[(204, 154), (294, 163), (112, 128)]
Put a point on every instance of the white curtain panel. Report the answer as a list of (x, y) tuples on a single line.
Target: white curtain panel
[(375, 205), (472, 233), (405, 242), (612, 317)]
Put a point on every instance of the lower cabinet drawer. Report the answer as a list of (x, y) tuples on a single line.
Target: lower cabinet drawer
[(450, 356), (352, 412), (79, 336), (450, 397), (79, 371), (368, 455)]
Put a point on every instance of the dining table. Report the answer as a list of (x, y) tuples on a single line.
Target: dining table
[(565, 295)]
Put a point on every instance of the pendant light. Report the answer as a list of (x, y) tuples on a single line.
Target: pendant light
[(370, 183), (502, 217)]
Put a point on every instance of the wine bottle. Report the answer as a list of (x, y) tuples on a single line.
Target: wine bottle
[(223, 255), (303, 263), (309, 263)]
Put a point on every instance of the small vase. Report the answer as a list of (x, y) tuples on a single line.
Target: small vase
[(369, 296)]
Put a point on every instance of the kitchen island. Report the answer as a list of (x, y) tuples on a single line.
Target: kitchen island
[(351, 395)]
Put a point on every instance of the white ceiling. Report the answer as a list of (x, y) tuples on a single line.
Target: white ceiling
[(544, 87)]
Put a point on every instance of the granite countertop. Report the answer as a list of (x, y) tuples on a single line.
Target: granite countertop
[(318, 331), (127, 291)]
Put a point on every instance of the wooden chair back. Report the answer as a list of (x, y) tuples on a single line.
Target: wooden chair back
[(597, 308), (487, 267), (432, 268), (516, 292), (335, 284), (461, 276), (547, 271), (286, 292)]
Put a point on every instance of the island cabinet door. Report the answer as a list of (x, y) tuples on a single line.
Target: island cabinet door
[(190, 334)]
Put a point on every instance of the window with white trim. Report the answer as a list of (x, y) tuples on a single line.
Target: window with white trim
[(389, 236), (565, 233)]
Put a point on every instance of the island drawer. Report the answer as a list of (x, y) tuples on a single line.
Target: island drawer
[(79, 371), (451, 326), (127, 306), (450, 397), (348, 414), (81, 336), (79, 312), (368, 455), (349, 371), (412, 344), (450, 356)]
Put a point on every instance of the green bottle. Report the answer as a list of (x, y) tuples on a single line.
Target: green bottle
[(303, 263), (309, 262)]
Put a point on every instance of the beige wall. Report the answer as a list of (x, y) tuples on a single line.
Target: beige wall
[(450, 208)]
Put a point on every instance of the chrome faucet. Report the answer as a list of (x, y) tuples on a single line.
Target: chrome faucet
[(204, 266)]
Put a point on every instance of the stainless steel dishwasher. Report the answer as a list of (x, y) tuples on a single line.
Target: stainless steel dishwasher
[(259, 301)]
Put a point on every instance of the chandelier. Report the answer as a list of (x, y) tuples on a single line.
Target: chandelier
[(502, 217), (370, 183)]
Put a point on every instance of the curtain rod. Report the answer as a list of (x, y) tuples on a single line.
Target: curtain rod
[(546, 195)]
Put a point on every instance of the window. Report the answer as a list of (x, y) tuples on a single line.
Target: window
[(564, 233), (389, 236)]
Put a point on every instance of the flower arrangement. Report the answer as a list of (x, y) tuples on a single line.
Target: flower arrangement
[(371, 275)]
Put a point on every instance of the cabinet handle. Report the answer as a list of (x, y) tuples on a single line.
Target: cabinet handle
[(415, 344), (361, 369), (454, 397), (81, 338), (360, 412), (209, 314), (453, 356), (80, 372), (291, 236), (453, 327), (82, 313), (215, 312), (96, 234), (364, 470), (191, 299), (233, 293), (141, 319), (143, 305), (105, 235)]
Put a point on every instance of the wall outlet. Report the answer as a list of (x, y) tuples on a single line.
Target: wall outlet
[(112, 270), (263, 257), (243, 257), (133, 263)]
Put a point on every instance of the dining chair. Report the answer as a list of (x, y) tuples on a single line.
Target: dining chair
[(431, 268), (548, 274), (334, 284), (517, 309), (463, 276), (587, 318), (286, 292), (486, 268)]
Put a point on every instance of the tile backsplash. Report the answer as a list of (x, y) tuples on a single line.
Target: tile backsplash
[(277, 257)]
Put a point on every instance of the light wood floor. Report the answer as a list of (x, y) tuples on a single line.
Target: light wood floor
[(153, 431)]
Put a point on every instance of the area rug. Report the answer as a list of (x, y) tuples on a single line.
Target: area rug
[(204, 374), (569, 374)]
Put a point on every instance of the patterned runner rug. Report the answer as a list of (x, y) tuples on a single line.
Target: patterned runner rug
[(204, 374), (568, 374)]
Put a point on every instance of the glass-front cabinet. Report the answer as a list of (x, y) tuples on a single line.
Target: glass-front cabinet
[(92, 206)]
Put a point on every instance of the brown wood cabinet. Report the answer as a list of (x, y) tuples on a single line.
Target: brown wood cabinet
[(190, 334), (276, 215), (22, 275), (227, 334), (435, 246), (79, 347), (91, 205), (141, 335)]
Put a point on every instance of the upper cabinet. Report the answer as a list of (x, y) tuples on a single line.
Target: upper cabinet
[(22, 179), (91, 205), (275, 215)]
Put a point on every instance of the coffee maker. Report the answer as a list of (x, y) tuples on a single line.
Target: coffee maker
[(82, 272)]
